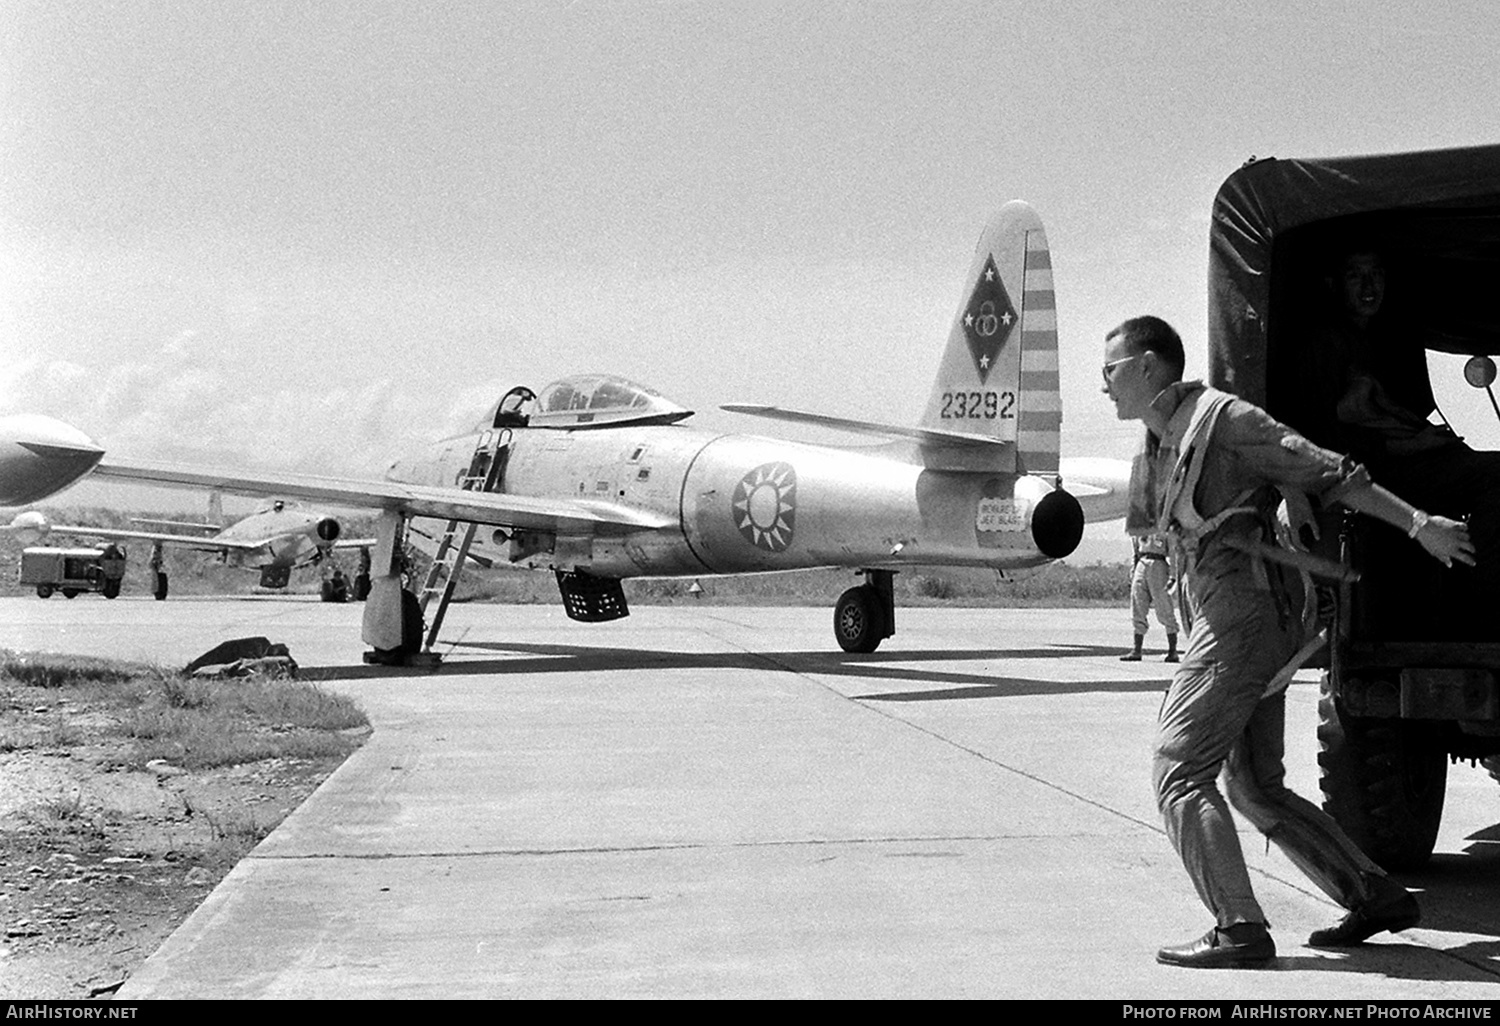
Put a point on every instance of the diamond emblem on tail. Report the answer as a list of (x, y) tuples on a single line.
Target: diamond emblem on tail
[(988, 319)]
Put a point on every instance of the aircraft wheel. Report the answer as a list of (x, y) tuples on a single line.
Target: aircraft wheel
[(70, 593), (857, 620), (44, 591), (161, 587), (412, 627)]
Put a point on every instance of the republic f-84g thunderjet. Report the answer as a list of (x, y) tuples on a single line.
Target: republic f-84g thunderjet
[(595, 478), (275, 539)]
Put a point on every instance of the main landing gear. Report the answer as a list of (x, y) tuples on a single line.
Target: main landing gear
[(865, 616)]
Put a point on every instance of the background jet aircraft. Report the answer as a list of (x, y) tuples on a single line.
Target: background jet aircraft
[(595, 479), (275, 539)]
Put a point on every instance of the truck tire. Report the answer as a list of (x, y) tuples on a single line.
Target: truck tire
[(112, 588), (44, 591), (1383, 781), (70, 593), (858, 621)]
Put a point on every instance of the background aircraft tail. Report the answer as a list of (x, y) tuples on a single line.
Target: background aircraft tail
[(998, 375)]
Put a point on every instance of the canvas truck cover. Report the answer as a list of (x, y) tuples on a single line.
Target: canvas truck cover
[(1279, 225)]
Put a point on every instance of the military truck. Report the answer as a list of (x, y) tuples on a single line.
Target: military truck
[(1413, 653), (73, 571)]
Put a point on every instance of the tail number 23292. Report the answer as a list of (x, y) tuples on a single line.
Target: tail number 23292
[(978, 405)]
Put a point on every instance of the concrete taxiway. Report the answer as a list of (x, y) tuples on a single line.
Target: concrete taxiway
[(702, 801)]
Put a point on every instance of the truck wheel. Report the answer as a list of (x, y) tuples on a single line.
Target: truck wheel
[(1383, 781), (70, 593), (112, 588), (44, 591), (857, 620)]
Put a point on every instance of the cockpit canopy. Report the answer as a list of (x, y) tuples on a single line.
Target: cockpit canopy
[(598, 400)]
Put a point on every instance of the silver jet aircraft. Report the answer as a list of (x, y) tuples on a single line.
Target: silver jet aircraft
[(596, 479), (275, 539)]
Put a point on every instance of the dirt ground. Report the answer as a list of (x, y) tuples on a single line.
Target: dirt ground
[(100, 863)]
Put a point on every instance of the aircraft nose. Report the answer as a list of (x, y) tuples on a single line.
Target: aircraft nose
[(40, 456)]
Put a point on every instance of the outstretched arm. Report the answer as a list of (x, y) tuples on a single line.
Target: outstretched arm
[(1444, 539)]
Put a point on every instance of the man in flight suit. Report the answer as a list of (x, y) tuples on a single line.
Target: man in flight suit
[(1210, 476)]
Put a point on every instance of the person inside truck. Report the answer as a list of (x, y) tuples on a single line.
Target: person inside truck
[(1209, 475), (1376, 401)]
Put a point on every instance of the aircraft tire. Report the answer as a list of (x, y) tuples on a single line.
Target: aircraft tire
[(857, 620), (160, 593), (44, 591), (1383, 781), (412, 626)]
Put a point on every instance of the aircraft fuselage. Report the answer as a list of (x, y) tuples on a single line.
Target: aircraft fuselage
[(749, 504)]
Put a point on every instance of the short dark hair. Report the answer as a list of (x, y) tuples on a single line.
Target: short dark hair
[(1153, 335)]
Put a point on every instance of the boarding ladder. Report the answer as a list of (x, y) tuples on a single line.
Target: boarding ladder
[(484, 473)]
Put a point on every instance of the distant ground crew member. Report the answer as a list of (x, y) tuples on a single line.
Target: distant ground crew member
[(1151, 588)]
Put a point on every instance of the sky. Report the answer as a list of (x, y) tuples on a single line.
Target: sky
[(303, 236)]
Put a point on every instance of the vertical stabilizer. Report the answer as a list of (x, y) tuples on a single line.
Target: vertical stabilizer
[(998, 375)]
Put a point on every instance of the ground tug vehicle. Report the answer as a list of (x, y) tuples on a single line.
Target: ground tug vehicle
[(73, 571), (1412, 664)]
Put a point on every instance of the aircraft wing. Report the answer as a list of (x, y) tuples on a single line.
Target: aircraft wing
[(166, 538), (498, 508), (190, 525), (927, 436)]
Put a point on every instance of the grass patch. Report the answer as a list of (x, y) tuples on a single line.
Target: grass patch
[(190, 722), (44, 670), (199, 724)]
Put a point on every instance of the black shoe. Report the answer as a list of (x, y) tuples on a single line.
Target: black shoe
[(1170, 657), (1241, 946), (1394, 913)]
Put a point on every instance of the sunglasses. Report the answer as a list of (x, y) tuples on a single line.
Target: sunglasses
[(1109, 368)]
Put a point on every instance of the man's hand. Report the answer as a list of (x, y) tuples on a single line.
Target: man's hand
[(1446, 540)]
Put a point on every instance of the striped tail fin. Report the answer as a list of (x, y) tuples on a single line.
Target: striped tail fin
[(999, 373)]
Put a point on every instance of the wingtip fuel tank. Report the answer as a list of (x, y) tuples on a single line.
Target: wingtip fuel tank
[(40, 456)]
